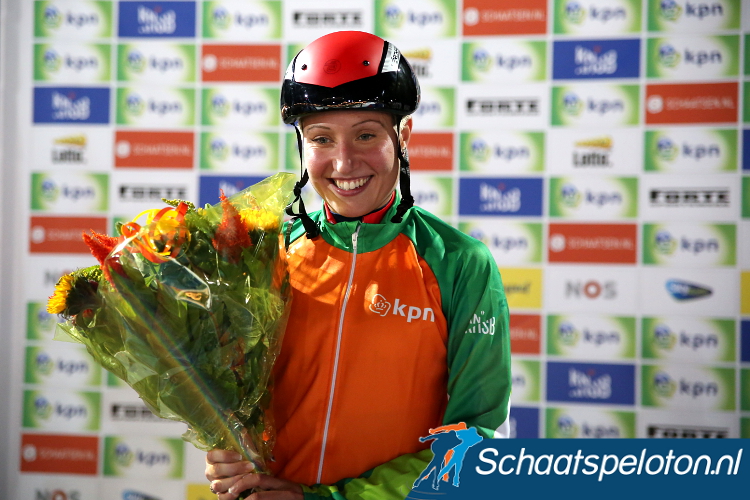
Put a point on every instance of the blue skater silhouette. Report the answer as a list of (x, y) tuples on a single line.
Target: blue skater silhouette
[(469, 437), (442, 442)]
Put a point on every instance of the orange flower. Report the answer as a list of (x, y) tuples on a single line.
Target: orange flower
[(101, 246), (231, 236)]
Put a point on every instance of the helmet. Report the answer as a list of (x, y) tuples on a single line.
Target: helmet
[(349, 70)]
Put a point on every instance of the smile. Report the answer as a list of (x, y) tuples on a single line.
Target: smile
[(349, 185)]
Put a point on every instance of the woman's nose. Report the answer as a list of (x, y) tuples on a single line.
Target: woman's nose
[(345, 158)]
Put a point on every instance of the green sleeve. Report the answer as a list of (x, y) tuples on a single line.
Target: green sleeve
[(476, 310), (392, 480)]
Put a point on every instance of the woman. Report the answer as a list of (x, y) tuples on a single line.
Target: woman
[(399, 322)]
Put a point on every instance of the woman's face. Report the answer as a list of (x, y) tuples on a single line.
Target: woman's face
[(351, 157)]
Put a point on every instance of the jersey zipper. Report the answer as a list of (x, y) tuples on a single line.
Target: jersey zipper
[(338, 350)]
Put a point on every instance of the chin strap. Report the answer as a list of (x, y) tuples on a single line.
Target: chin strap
[(311, 228), (407, 200)]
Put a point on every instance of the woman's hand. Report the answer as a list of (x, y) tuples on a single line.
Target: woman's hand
[(230, 475)]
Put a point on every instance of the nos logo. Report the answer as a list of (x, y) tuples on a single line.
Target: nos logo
[(591, 290)]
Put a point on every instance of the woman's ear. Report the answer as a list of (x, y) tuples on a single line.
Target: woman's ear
[(406, 133)]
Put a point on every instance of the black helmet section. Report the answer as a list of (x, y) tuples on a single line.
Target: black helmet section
[(349, 70)]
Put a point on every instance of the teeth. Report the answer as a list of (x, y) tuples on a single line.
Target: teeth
[(349, 185)]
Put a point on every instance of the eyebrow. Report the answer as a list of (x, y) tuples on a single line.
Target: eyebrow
[(320, 125)]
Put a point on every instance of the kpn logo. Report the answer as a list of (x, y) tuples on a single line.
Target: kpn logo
[(670, 10), (664, 386), (221, 18), (43, 408), (572, 104), (219, 149), (574, 12), (52, 17), (669, 57), (664, 337), (51, 60), (135, 104), (568, 334), (566, 427), (449, 444), (135, 61)]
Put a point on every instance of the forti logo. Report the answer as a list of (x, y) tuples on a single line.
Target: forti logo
[(380, 305)]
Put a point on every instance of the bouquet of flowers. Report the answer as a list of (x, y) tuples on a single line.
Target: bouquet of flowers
[(189, 310)]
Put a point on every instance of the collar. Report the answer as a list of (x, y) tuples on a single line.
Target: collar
[(374, 217)]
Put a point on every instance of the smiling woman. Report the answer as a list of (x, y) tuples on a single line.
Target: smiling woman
[(399, 322), (352, 160)]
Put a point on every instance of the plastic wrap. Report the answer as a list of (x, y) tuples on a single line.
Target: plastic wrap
[(189, 309)]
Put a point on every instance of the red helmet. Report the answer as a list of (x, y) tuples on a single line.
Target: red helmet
[(348, 70)]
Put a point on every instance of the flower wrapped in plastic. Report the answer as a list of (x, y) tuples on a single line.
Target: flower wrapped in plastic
[(189, 310)]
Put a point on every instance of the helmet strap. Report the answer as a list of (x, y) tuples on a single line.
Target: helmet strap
[(407, 200), (311, 228)]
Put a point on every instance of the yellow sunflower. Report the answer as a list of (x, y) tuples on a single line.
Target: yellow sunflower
[(259, 219), (58, 301)]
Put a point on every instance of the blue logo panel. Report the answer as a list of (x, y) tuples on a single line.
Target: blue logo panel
[(586, 59), (745, 341), (157, 19), (71, 105), (501, 197), (591, 383), (210, 186), (746, 150), (524, 422)]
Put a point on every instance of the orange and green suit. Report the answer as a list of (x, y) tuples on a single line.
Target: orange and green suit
[(395, 328)]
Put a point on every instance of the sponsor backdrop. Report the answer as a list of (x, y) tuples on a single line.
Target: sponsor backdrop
[(601, 150)]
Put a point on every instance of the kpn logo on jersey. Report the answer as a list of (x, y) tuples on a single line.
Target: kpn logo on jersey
[(693, 57), (241, 20), (415, 18), (158, 62), (689, 340), (155, 107), (595, 105), (502, 152), (690, 245), (593, 198), (691, 150), (591, 337), (512, 243), (80, 20), (506, 61), (693, 16), (239, 151), (602, 17), (69, 192), (689, 387), (144, 457), (72, 62), (589, 423), (247, 106), (61, 410)]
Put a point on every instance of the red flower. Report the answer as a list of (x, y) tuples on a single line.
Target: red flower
[(101, 246), (231, 236)]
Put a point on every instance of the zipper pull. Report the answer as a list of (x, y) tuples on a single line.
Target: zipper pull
[(354, 239)]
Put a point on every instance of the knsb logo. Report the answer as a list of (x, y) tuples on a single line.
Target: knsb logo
[(449, 446), (683, 291), (498, 199), (589, 385), (70, 107), (156, 21), (380, 305), (592, 61)]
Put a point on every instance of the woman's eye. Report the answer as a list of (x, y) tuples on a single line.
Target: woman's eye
[(320, 140), (366, 136)]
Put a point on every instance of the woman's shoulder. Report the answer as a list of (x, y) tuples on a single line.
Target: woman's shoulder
[(432, 232)]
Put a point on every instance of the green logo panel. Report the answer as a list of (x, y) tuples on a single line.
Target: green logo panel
[(593, 423), (66, 192), (682, 245), (693, 58), (526, 381), (694, 340), (686, 16), (72, 63), (78, 20), (688, 387), (40, 325), (591, 337), (410, 18), (504, 61), (502, 152), (144, 457), (597, 105), (66, 366), (593, 198), (57, 410), (163, 63), (242, 20), (691, 150), (607, 17), (745, 197)]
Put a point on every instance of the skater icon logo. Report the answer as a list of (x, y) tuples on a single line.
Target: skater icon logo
[(449, 446)]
